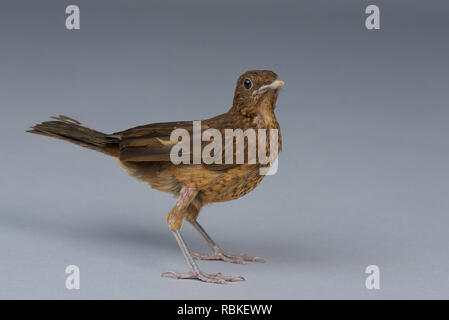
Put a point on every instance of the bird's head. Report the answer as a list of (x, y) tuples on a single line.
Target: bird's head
[(256, 90)]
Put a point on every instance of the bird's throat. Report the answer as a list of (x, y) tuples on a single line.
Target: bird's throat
[(264, 116)]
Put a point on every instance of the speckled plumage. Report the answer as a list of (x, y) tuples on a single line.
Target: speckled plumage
[(215, 182), (144, 151)]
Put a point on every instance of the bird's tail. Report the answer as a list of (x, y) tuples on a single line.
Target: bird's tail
[(70, 130)]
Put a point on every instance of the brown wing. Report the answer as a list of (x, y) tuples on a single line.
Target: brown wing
[(149, 142), (152, 142)]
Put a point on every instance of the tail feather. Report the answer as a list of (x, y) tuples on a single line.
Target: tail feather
[(70, 130)]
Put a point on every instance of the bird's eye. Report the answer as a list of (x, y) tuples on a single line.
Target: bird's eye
[(247, 84)]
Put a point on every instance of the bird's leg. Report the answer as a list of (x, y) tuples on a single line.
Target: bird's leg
[(195, 272), (174, 219), (218, 253), (176, 215)]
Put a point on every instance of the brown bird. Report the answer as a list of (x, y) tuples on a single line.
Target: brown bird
[(145, 153)]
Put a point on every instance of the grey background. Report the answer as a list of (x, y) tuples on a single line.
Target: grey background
[(363, 177)]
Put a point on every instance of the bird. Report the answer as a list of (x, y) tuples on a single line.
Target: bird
[(145, 153)]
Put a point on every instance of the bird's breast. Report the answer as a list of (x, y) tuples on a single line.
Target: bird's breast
[(233, 184)]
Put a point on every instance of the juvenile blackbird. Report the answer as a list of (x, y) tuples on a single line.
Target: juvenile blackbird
[(144, 152)]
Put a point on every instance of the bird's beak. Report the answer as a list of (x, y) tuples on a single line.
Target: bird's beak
[(276, 84)]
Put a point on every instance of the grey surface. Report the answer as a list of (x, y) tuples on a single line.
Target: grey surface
[(363, 177)]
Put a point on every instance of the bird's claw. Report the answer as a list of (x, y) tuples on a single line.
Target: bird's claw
[(216, 278), (220, 255)]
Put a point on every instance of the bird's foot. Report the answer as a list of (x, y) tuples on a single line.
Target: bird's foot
[(221, 255), (217, 278)]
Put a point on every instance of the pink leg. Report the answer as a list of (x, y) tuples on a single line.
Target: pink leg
[(195, 272), (218, 253), (174, 219)]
